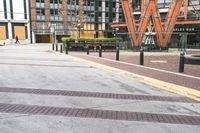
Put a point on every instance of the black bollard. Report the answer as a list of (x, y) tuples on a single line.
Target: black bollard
[(117, 53), (56, 47), (61, 48), (141, 56), (181, 62), (100, 51), (66, 48), (53, 46), (88, 50)]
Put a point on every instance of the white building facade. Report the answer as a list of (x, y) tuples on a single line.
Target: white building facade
[(15, 21)]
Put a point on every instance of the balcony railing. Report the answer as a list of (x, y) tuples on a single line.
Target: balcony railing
[(40, 17), (56, 18), (47, 31)]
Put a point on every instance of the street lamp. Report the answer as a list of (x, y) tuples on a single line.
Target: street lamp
[(114, 32), (79, 29), (114, 35), (116, 45), (53, 31)]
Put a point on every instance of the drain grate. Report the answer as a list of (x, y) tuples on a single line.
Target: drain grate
[(99, 114), (97, 95)]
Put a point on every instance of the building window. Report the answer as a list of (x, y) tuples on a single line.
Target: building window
[(40, 12), (40, 1), (56, 1), (107, 4), (5, 9), (54, 12), (11, 9), (194, 2), (163, 3), (100, 3)]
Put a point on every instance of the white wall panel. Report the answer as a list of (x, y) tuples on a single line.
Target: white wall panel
[(1, 10), (18, 9), (18, 17), (103, 14)]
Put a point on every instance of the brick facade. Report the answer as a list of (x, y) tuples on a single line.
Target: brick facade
[(64, 4), (47, 13), (33, 14)]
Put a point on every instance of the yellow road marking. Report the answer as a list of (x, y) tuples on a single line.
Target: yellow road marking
[(181, 90)]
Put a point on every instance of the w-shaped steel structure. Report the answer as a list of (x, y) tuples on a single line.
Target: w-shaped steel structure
[(150, 12)]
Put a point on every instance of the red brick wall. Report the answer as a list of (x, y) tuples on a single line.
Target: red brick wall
[(47, 12), (33, 14), (65, 15)]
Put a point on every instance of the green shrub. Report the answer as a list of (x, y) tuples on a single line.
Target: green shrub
[(64, 39)]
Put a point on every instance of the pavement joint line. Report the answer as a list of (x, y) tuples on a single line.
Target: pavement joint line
[(181, 90), (94, 95), (146, 67), (35, 59), (99, 114), (43, 65)]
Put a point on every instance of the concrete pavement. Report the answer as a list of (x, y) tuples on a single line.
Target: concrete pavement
[(46, 92)]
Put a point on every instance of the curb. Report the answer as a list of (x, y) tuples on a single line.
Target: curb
[(181, 90)]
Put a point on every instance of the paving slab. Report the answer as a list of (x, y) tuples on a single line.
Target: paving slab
[(44, 91)]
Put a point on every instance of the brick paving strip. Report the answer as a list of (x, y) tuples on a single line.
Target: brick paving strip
[(97, 95), (99, 114)]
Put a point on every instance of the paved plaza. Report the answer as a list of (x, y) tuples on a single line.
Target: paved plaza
[(43, 91)]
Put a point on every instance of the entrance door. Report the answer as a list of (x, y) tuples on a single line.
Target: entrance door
[(42, 38)]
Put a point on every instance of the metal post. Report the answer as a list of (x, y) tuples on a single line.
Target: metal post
[(53, 41), (184, 46), (181, 62), (117, 52), (56, 47), (100, 51), (88, 50), (66, 48), (53, 46), (61, 48), (141, 56)]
